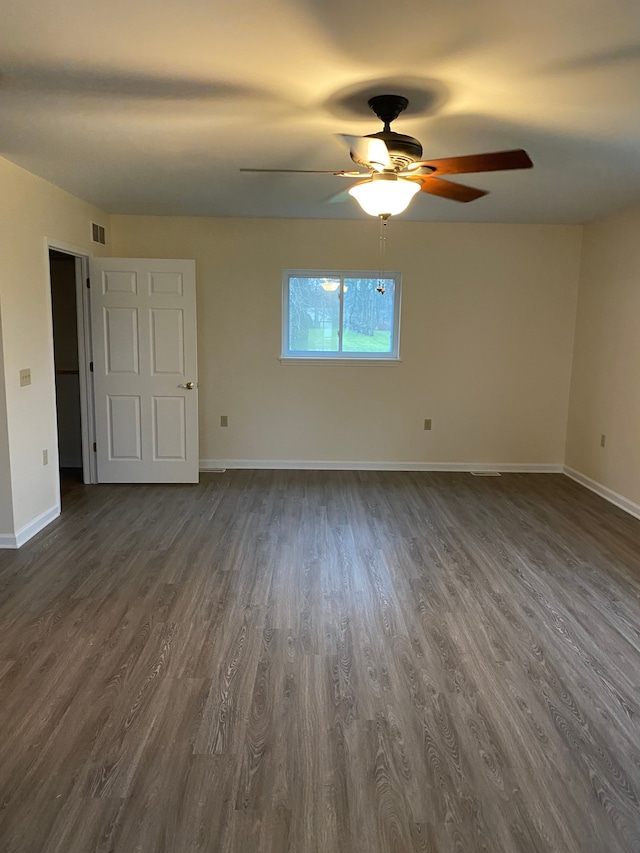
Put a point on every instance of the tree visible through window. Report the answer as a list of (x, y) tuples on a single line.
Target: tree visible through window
[(341, 315)]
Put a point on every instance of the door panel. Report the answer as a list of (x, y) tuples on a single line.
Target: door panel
[(121, 344), (143, 316), (167, 341), (166, 282), (124, 428), (169, 428), (119, 281)]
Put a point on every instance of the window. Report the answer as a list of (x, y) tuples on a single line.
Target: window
[(333, 314)]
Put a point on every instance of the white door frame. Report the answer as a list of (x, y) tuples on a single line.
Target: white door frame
[(87, 421)]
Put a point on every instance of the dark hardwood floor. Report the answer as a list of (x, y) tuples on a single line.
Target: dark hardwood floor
[(323, 661)]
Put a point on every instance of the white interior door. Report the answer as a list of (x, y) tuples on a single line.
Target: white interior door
[(143, 318)]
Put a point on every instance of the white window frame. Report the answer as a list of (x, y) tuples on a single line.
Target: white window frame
[(300, 356)]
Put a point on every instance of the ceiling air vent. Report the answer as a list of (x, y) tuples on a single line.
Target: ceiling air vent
[(97, 234)]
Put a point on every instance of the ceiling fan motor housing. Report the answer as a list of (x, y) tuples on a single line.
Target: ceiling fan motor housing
[(403, 150)]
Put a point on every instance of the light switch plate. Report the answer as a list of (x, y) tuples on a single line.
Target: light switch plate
[(25, 377)]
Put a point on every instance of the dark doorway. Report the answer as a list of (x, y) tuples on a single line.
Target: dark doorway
[(65, 348)]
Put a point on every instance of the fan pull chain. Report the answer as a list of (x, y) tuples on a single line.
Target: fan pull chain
[(383, 249)]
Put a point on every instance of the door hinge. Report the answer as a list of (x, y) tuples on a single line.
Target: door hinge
[(89, 282), (91, 367), (95, 447)]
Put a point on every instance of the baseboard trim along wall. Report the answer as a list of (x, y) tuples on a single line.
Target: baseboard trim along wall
[(604, 492), (288, 464), (29, 530)]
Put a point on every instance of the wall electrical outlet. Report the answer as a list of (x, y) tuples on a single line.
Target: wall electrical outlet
[(427, 423), (45, 457), (224, 420), (25, 377), (603, 440)]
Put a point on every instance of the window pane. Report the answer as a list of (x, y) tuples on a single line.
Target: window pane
[(368, 315), (314, 314)]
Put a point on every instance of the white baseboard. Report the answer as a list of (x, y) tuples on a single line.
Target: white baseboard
[(289, 464), (608, 494), (29, 530)]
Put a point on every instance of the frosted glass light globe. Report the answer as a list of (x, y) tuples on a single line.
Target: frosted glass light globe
[(385, 194)]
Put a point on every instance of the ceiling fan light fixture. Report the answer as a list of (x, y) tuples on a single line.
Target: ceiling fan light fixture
[(385, 194)]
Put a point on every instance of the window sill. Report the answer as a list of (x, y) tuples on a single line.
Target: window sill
[(354, 362)]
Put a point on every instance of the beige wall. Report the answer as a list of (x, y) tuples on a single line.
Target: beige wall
[(31, 210), (6, 503), (605, 390), (487, 333)]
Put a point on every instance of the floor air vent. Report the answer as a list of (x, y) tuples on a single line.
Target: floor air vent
[(485, 473)]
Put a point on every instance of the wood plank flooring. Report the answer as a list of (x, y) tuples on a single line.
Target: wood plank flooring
[(323, 662)]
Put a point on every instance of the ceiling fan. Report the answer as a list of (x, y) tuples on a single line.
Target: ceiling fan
[(396, 172)]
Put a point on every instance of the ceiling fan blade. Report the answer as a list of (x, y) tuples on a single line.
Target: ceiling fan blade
[(341, 173), (495, 161), (447, 189), (369, 152), (338, 198)]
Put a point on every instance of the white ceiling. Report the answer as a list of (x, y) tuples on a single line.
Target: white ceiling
[(152, 106)]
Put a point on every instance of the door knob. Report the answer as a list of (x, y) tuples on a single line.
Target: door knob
[(188, 385)]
